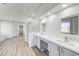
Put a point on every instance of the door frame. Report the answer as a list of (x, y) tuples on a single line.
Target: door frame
[(28, 30)]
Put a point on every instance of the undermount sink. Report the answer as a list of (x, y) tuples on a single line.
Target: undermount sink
[(68, 43)]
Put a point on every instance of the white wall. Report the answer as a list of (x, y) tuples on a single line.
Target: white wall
[(53, 25), (9, 28), (34, 26), (15, 29), (6, 28), (54, 21)]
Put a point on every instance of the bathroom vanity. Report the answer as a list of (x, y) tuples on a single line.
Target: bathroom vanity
[(58, 46), (55, 46)]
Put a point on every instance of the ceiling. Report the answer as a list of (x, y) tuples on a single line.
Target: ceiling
[(18, 11), (38, 9)]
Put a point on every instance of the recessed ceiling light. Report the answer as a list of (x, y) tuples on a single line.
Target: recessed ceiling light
[(32, 14), (64, 5), (48, 13)]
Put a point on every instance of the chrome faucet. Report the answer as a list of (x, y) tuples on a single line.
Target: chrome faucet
[(66, 39)]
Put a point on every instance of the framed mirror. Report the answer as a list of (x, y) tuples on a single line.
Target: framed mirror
[(43, 27), (69, 25)]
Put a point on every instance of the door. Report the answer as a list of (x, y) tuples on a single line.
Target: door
[(54, 50), (61, 51), (36, 40), (20, 30)]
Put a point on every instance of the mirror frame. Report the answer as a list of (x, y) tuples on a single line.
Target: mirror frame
[(70, 16)]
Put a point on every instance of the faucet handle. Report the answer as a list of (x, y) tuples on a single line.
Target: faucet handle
[(66, 39)]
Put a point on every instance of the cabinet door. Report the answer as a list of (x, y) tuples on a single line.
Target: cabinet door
[(54, 50), (31, 40), (38, 42), (69, 53), (61, 51)]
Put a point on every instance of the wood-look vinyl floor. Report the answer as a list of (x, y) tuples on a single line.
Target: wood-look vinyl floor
[(18, 47)]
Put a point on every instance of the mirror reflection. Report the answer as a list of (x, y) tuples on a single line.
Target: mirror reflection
[(69, 25)]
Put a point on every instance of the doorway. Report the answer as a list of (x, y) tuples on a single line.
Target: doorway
[(21, 30)]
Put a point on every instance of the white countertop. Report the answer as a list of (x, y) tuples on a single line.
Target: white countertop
[(73, 46)]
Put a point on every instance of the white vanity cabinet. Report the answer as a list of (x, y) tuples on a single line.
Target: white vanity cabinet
[(31, 40), (37, 41), (61, 51), (53, 49), (44, 44), (66, 52)]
